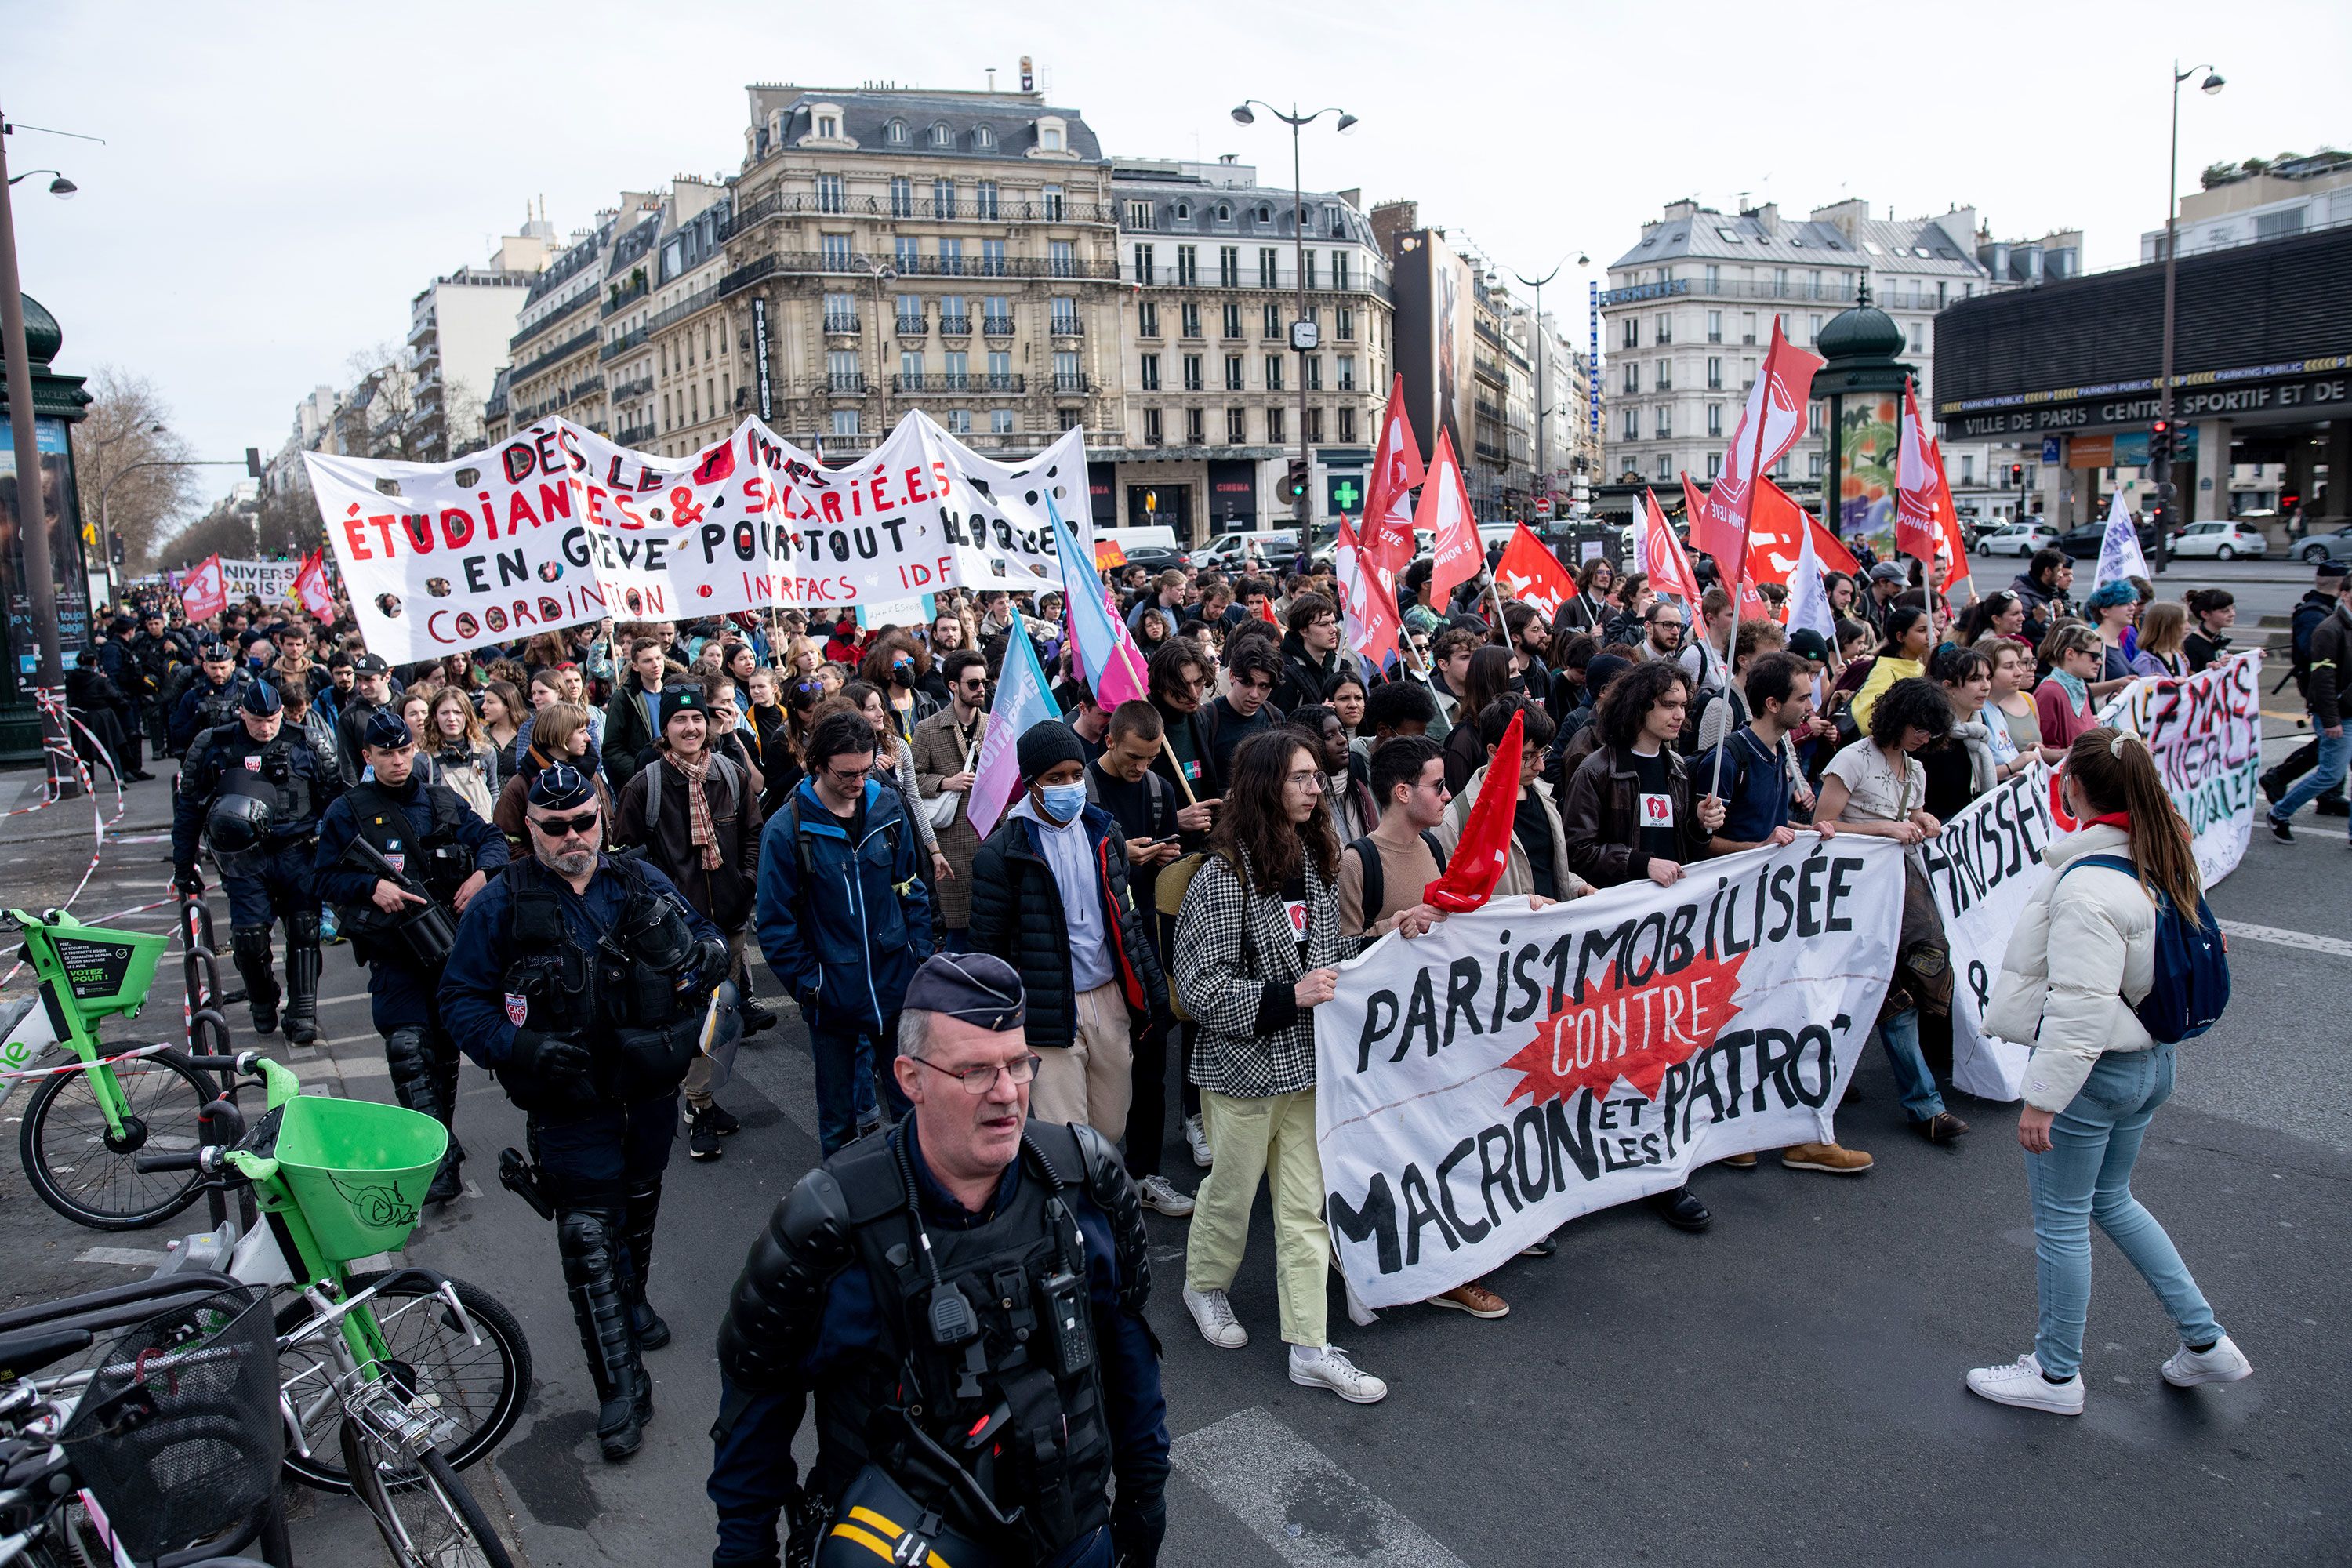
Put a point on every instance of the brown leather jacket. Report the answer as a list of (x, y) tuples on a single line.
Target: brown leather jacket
[(1600, 817)]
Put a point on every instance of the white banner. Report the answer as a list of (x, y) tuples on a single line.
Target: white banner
[(1480, 1086), (272, 581), (1983, 868), (2206, 734), (559, 526)]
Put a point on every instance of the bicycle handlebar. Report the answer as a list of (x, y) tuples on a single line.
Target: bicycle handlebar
[(174, 1160), (245, 1062)]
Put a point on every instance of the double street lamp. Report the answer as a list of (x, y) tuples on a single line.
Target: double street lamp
[(2163, 464), (1543, 448), (1304, 335)]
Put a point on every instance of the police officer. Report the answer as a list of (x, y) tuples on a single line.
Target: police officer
[(964, 1297), (425, 837), (582, 982), (212, 699), (255, 791)]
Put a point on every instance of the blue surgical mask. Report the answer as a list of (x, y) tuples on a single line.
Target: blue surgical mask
[(1062, 803)]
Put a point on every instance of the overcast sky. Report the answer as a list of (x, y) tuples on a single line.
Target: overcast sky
[(279, 180)]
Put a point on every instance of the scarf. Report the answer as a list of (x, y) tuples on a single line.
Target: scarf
[(1984, 768), (2078, 693), (697, 807)]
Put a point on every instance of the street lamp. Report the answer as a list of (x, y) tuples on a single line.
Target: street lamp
[(60, 187), (883, 273), (1543, 448), (2163, 464), (106, 527), (1304, 338)]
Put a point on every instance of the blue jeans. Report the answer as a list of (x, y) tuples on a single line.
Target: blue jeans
[(847, 1057), (2335, 751), (1900, 1035), (2086, 1176)]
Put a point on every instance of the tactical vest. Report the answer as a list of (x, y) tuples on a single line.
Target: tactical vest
[(1018, 1407), (218, 705), (614, 998), (268, 772)]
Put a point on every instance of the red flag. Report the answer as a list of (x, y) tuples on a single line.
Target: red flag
[(203, 592), (1396, 471), (1776, 533), (1367, 601), (1768, 425), (1914, 486), (1484, 850), (1947, 522), (1446, 512), (311, 584), (1530, 572), (1661, 552), (1828, 551), (1752, 602)]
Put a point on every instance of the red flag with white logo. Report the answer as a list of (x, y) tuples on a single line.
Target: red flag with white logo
[(1669, 568), (1948, 523), (1916, 483), (1444, 511), (1533, 574), (1772, 423), (1776, 534), (1367, 602), (311, 584), (203, 592), (1387, 533)]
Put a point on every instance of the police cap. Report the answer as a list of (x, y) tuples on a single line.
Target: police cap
[(977, 987), (387, 730), (261, 700)]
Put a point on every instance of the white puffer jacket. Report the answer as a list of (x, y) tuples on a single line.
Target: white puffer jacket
[(2083, 953)]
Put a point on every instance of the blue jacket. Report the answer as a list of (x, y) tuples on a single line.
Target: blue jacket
[(341, 884), (843, 925)]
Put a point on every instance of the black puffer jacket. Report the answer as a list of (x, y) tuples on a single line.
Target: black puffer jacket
[(1016, 914)]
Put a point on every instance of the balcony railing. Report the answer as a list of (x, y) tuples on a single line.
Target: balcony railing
[(1001, 381), (914, 326), (996, 327), (955, 326), (998, 209), (1069, 326), (635, 435), (555, 355), (841, 321), (1489, 368), (861, 264), (1072, 381), (621, 344), (642, 387), (700, 300), (627, 297), (560, 314), (844, 382)]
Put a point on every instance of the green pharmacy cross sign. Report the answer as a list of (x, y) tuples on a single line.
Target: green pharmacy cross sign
[(1347, 498)]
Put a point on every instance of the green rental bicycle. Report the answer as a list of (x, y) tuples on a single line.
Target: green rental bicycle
[(92, 1115)]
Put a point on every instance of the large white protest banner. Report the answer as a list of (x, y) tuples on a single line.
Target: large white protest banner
[(1983, 868), (559, 526), (2206, 734), (1479, 1086), (272, 581)]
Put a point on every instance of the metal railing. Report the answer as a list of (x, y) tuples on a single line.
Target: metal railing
[(997, 210), (955, 326), (627, 297), (996, 327), (843, 381), (842, 321), (863, 264), (642, 387), (700, 300), (633, 434), (621, 344), (1072, 381), (555, 355), (951, 381), (1069, 326), (547, 321), (914, 326)]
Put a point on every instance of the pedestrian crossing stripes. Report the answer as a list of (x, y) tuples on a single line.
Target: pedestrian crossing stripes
[(1312, 1512), (2334, 946)]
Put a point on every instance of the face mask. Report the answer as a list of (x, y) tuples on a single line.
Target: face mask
[(1062, 803)]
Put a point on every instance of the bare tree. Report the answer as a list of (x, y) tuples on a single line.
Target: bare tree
[(120, 454), (462, 424), (226, 530), (398, 424)]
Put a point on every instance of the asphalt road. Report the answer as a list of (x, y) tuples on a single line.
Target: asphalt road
[(1784, 1388)]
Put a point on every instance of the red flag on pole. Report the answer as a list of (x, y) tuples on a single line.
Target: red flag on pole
[(1484, 850), (1831, 554), (1947, 522), (1387, 535), (1444, 511), (1768, 425), (311, 584), (1367, 602), (1776, 534), (203, 593), (1670, 569), (1530, 572), (1914, 486)]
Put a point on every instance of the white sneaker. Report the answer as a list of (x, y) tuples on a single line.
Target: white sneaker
[(2223, 1363), (1154, 1193), (1215, 1317), (1197, 1137), (1329, 1367), (2020, 1384)]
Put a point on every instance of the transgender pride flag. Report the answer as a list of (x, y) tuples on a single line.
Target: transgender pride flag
[(1023, 700), (1108, 659)]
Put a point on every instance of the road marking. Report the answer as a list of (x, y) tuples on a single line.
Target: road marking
[(1308, 1509), (128, 1256), (2336, 946)]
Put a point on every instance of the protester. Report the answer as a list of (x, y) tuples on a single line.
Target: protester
[(2113, 608), (1588, 611), (633, 720), (946, 751), (2084, 946), (1049, 896), (2214, 611), (463, 760), (2314, 609), (897, 768), (1347, 777), (1538, 863), (1250, 971), (1962, 762), (1702, 655), (1310, 652), (894, 665), (2160, 648), (1719, 712), (2330, 657), (1662, 636), (1347, 698), (1487, 678), (1251, 668), (2042, 587), (1877, 786), (2063, 699), (1450, 653), (1178, 676), (1906, 636), (501, 709), (560, 736), (2012, 720)]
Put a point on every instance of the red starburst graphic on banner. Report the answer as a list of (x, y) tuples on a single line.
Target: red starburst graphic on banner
[(1627, 1029)]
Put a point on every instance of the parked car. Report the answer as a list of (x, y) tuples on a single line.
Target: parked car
[(2082, 543), (2223, 541), (1230, 551), (2333, 545), (2017, 539)]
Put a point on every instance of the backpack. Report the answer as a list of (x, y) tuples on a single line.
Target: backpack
[(1160, 793), (1376, 875), (2193, 965), (2307, 619), (791, 813), (731, 780)]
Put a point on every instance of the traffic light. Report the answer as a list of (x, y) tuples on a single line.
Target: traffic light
[(2160, 442), (1293, 483), (2017, 475)]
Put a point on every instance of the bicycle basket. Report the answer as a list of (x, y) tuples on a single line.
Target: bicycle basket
[(358, 1169), (107, 972), (178, 1435)]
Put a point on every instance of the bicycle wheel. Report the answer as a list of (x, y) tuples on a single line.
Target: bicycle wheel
[(425, 1515), (91, 1176), (480, 1387)]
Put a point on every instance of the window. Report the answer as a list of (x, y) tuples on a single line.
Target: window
[(1813, 287), (1314, 373), (1068, 377), (992, 257), (1193, 435), (836, 252), (1049, 138), (1274, 372), (1942, 293), (1666, 467), (958, 369), (1276, 434), (1264, 213), (1663, 378), (982, 136), (1139, 215), (1148, 369), (1780, 282), (845, 423), (1633, 378), (1062, 258), (1000, 369), (1188, 264), (1711, 278), (1343, 327), (1715, 373), (906, 252), (1332, 222), (1313, 427), (1236, 431), (1183, 209), (1145, 271), (1816, 330), (1193, 372), (996, 315), (1665, 329), (1273, 322), (1346, 372), (1233, 372), (1050, 199), (1307, 262), (840, 313), (942, 136), (1633, 334), (842, 373), (1918, 338), (1065, 316), (1340, 270), (1192, 318), (983, 193), (902, 196), (1968, 467), (1000, 422), (1780, 468), (1347, 425), (1747, 326), (958, 421), (1714, 420), (828, 126), (1632, 423), (1151, 434), (830, 196), (895, 133), (2278, 225), (911, 311), (1229, 266), (1714, 466), (1665, 425), (1267, 259), (1146, 319), (1816, 465), (910, 366), (1232, 320), (1225, 212), (953, 317)]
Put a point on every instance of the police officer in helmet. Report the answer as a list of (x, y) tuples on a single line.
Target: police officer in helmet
[(582, 981), (211, 699), (254, 791), (963, 1296), (399, 906)]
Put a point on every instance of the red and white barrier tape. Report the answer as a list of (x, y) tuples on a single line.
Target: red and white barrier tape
[(63, 757)]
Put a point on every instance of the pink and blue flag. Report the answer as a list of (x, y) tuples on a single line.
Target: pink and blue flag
[(1108, 660)]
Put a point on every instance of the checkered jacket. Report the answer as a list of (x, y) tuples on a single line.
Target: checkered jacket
[(1236, 965)]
